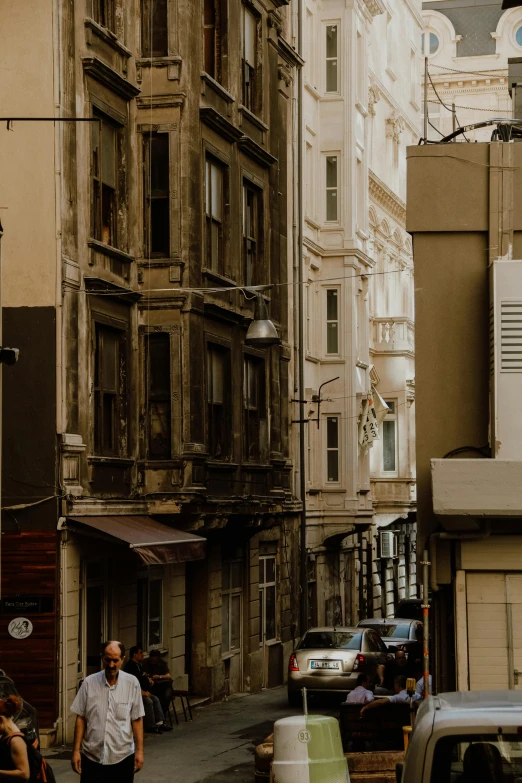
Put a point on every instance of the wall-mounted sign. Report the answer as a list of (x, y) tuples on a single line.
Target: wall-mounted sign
[(27, 604), (20, 628)]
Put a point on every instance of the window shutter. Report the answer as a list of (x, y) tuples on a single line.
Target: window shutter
[(511, 336), (388, 544)]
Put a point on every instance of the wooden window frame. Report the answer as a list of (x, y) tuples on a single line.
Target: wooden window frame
[(333, 321), (251, 71), (252, 231), (212, 221), (228, 593), (154, 35), (332, 188), (104, 13), (151, 397), (213, 39), (332, 59), (255, 416), (391, 417), (333, 449), (105, 195), (225, 407), (151, 197), (117, 448)]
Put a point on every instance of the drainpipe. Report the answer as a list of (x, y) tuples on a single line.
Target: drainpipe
[(443, 536), (300, 350), (62, 720)]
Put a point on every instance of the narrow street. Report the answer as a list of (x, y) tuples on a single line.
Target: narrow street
[(217, 747)]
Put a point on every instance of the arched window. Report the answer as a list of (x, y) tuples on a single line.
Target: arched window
[(518, 35), (429, 44)]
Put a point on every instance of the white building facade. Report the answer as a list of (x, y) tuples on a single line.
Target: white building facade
[(468, 45), (361, 110)]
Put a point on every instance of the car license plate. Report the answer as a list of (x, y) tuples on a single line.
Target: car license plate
[(325, 664)]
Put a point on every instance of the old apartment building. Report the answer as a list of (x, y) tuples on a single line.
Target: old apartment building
[(361, 108), (147, 490)]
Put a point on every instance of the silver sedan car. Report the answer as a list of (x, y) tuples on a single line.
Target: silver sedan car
[(331, 659)]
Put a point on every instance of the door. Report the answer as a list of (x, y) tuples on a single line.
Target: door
[(267, 608), (231, 623), (487, 631), (514, 627), (95, 613)]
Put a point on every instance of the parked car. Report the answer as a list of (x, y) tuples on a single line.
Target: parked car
[(331, 659), (469, 736), (27, 718), (398, 633)]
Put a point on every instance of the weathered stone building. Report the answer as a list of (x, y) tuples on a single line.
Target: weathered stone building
[(136, 400)]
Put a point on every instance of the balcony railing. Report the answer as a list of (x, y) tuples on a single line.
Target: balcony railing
[(393, 335)]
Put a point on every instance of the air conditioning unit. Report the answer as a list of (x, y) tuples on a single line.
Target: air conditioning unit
[(387, 544), (506, 359)]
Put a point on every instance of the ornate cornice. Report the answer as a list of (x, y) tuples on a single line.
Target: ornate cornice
[(375, 7), (220, 124), (256, 152), (382, 194)]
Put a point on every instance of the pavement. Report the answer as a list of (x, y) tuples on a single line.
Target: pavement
[(216, 747)]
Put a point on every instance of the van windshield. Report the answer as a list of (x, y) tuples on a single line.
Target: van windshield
[(485, 758)]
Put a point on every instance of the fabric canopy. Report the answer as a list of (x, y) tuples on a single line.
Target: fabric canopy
[(154, 543)]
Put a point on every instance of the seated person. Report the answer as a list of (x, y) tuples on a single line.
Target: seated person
[(158, 671), (419, 689), (361, 694), (482, 763), (388, 671), (154, 721), (400, 695)]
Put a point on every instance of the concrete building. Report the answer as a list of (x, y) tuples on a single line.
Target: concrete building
[(468, 44), (361, 109), (465, 217), (138, 421)]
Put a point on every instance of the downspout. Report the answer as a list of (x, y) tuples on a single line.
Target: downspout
[(300, 293), (63, 628), (443, 536)]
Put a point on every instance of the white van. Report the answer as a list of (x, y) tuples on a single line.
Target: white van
[(466, 737)]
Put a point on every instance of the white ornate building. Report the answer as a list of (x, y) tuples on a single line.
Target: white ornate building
[(468, 45), (362, 108)]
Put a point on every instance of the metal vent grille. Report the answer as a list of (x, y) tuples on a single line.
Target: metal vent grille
[(511, 336)]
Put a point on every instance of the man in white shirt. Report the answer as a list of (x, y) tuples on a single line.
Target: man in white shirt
[(400, 695), (360, 694), (419, 688), (108, 734)]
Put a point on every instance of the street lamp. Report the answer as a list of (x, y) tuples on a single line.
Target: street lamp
[(262, 331)]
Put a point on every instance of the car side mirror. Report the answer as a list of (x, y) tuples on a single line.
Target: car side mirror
[(398, 772)]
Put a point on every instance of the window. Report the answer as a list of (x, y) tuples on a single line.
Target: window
[(255, 432), (389, 439), (267, 598), (231, 606), (158, 396), (104, 181), (157, 196), (332, 448), (109, 393), (332, 320), (154, 28), (252, 220), (219, 419), (429, 44), (518, 36), (150, 613), (331, 187), (103, 13), (214, 216), (332, 61), (212, 38), (249, 59), (490, 756)]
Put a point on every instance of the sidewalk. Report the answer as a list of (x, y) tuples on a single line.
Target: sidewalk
[(216, 747)]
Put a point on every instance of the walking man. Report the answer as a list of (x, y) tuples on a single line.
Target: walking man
[(108, 734)]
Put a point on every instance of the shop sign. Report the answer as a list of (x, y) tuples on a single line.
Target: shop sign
[(20, 628)]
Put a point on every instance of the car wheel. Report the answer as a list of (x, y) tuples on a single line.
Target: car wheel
[(295, 699)]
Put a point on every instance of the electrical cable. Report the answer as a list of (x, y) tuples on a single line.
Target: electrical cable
[(468, 73)]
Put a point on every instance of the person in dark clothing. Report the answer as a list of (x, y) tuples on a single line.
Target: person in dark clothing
[(158, 671), (154, 717), (392, 669)]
